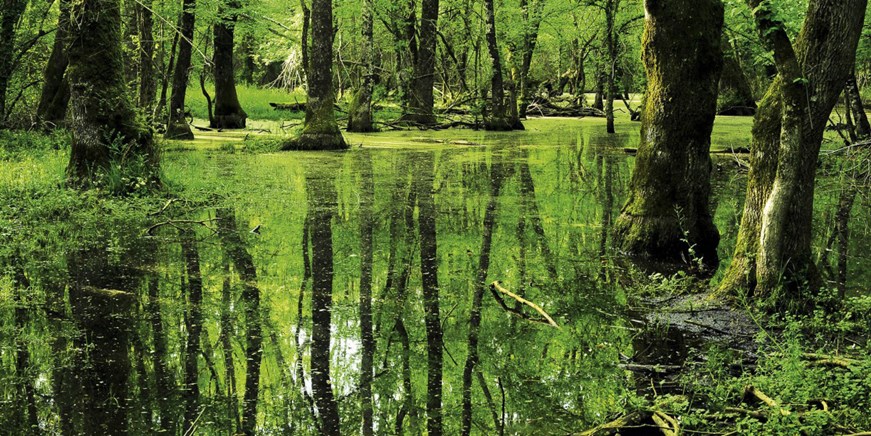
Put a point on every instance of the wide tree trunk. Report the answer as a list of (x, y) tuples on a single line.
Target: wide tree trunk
[(9, 16), (360, 113), (420, 110), (499, 117), (106, 131), (773, 256), (667, 216), (177, 127), (228, 112), (55, 95), (320, 131)]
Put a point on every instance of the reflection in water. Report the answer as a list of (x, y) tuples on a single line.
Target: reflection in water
[(362, 306)]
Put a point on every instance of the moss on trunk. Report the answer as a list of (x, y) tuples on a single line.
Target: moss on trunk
[(109, 141), (177, 127), (228, 111), (667, 216)]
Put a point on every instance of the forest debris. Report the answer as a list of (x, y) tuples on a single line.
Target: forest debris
[(631, 419), (547, 109), (496, 289), (752, 391), (827, 360), (668, 425)]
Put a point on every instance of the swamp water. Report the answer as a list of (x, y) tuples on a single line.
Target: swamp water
[(208, 313)]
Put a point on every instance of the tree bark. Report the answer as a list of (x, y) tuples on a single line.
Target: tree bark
[(611, 44), (147, 83), (360, 113), (228, 112), (9, 16), (735, 96), (773, 257), (854, 99), (499, 117), (55, 96), (320, 131), (421, 101), (532, 21), (105, 127), (193, 327), (667, 216), (177, 127)]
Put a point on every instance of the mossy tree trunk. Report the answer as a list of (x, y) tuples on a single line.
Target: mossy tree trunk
[(360, 113), (421, 100), (736, 96), (147, 82), (55, 96), (854, 99), (667, 216), (532, 21), (500, 116), (177, 126), (107, 135), (773, 256), (228, 112), (320, 131), (10, 13)]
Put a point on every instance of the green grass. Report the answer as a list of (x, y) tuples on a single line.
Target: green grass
[(255, 101)]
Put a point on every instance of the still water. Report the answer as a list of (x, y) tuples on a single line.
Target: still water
[(242, 305)]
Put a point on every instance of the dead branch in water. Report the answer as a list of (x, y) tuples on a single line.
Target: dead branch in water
[(496, 289)]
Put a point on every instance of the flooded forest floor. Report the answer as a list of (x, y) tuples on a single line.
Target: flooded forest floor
[(197, 309)]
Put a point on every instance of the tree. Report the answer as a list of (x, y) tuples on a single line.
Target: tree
[(106, 133), (420, 110), (320, 131), (667, 215), (147, 84), (55, 96), (9, 16), (360, 113), (500, 117), (177, 126), (772, 257), (228, 112)]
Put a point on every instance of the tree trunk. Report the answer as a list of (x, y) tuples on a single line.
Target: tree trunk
[(735, 96), (9, 16), (147, 83), (106, 131), (667, 216), (421, 107), (320, 131), (498, 118), (55, 95), (611, 43), (177, 127), (193, 327), (773, 256), (532, 20), (360, 113), (228, 112), (854, 99), (322, 204)]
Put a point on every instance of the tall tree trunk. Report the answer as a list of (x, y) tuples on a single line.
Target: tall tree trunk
[(611, 71), (228, 112), (772, 258), (147, 83), (499, 118), (320, 131), (163, 376), (421, 108), (160, 108), (360, 113), (429, 277), (322, 204), (531, 20), (9, 16), (55, 95), (667, 215), (735, 96), (101, 113), (854, 99), (177, 127)]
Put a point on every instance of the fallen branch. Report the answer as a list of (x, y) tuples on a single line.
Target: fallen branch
[(496, 289), (173, 223), (751, 390), (668, 425)]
